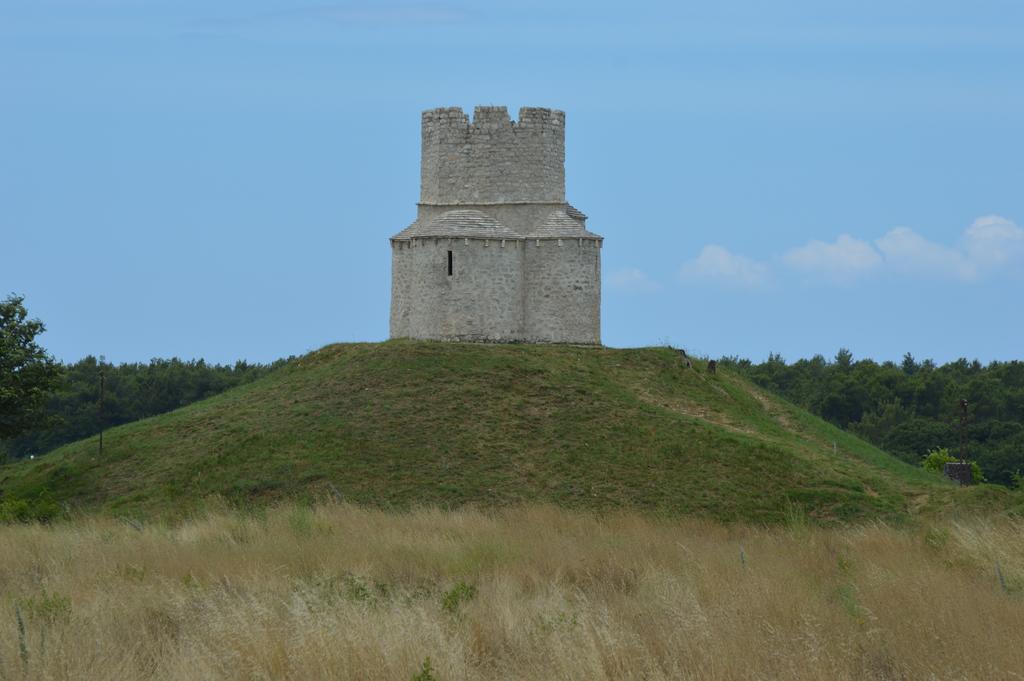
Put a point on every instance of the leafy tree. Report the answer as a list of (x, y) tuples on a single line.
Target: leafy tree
[(844, 402), (911, 407), (908, 439), (909, 366), (875, 425), (28, 374), (133, 391)]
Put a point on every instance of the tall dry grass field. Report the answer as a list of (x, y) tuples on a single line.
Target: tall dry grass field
[(535, 593)]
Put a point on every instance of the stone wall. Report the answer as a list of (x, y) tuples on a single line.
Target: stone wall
[(538, 291), (492, 159), (481, 300), (960, 472), (563, 294)]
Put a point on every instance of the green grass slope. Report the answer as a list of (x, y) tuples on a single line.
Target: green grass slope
[(404, 423)]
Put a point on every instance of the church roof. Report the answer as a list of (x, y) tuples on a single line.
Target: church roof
[(573, 212), (459, 223), (562, 223)]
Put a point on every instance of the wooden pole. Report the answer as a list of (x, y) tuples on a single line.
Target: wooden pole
[(102, 391), (963, 424)]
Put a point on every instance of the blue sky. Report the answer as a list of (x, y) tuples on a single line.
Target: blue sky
[(219, 179)]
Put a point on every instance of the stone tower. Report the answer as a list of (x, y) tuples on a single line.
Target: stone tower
[(495, 253)]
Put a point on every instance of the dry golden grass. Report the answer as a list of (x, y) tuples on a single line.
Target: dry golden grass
[(340, 592)]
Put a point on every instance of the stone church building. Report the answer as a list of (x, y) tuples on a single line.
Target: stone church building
[(496, 253)]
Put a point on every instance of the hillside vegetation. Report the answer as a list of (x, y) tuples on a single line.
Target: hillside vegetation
[(909, 408), (130, 392), (342, 592), (406, 423)]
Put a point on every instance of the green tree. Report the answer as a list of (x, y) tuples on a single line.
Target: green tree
[(28, 374), (133, 391), (909, 366), (910, 407)]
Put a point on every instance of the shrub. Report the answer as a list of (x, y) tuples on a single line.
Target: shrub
[(937, 458), (47, 607), (41, 509), (14, 511), (458, 594), (426, 672)]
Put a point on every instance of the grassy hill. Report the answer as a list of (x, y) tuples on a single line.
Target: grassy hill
[(404, 423)]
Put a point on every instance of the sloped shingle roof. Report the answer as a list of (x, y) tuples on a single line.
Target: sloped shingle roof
[(459, 223), (573, 212), (561, 223)]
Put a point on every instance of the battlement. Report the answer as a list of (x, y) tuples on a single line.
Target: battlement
[(495, 253), (492, 159)]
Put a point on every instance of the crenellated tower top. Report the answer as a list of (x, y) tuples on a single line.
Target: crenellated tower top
[(492, 159)]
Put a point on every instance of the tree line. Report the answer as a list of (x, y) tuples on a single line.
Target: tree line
[(911, 407), (908, 409), (130, 392), (45, 404)]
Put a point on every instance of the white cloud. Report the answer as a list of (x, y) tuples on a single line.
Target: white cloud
[(845, 259), (716, 264), (632, 279), (990, 244), (907, 251)]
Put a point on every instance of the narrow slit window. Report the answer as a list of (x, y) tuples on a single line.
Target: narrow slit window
[(449, 263)]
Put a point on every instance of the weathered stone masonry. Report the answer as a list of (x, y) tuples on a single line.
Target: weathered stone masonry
[(495, 253)]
